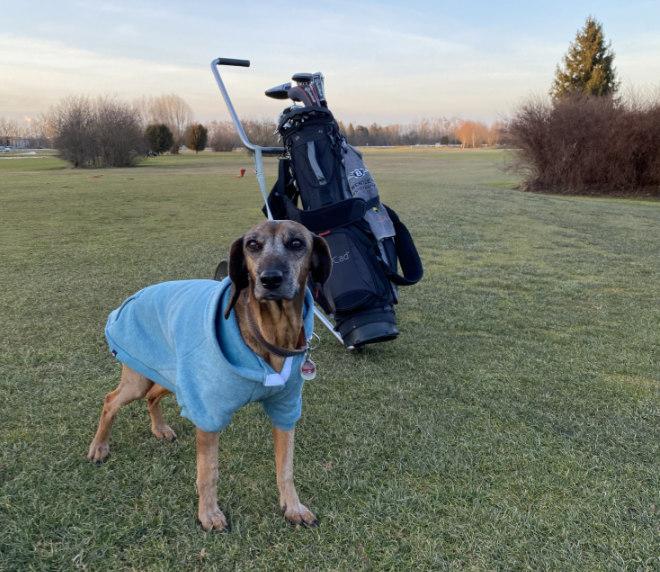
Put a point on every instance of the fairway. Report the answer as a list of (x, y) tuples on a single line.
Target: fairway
[(513, 425)]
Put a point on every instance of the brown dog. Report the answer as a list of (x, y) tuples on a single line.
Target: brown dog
[(268, 270)]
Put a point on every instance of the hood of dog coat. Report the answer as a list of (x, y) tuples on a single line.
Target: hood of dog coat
[(174, 333)]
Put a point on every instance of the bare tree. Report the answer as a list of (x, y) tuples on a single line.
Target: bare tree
[(494, 134), (588, 145), (104, 133), (118, 133), (73, 119), (261, 132), (472, 134), (223, 136), (170, 110), (30, 133), (8, 131)]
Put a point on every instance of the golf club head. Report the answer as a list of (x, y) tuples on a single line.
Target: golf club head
[(305, 94), (302, 78), (319, 84), (279, 91)]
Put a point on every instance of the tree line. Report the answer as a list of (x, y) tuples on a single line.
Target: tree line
[(583, 138), (438, 131), (107, 132)]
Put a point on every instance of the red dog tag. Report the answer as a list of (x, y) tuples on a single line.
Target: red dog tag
[(308, 370)]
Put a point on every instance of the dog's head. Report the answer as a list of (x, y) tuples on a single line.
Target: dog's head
[(274, 259)]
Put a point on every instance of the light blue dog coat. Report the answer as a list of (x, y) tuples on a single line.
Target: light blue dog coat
[(175, 334)]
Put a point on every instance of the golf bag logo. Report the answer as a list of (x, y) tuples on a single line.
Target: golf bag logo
[(341, 258)]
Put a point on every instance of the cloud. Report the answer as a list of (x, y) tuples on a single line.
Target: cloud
[(43, 72), (384, 61)]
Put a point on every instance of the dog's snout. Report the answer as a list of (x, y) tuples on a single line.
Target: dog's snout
[(271, 279)]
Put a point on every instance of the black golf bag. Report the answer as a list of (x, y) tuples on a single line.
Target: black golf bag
[(324, 185)]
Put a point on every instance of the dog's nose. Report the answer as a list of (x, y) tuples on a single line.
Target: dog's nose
[(271, 279)]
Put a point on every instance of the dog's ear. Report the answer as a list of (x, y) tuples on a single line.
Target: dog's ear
[(321, 260), (322, 267), (238, 273)]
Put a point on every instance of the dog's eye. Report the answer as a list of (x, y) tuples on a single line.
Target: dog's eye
[(253, 245), (296, 244)]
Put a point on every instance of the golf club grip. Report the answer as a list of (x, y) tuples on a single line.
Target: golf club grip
[(233, 62)]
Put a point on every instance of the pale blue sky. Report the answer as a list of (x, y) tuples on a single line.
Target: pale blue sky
[(392, 61)]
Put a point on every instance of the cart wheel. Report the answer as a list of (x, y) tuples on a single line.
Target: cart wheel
[(222, 270)]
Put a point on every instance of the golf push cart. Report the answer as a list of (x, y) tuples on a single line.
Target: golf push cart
[(324, 185)]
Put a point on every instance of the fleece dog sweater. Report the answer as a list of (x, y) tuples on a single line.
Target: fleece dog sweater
[(175, 334)]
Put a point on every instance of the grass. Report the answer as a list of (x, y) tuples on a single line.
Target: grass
[(514, 424)]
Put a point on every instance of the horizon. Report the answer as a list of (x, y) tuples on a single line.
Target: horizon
[(384, 62)]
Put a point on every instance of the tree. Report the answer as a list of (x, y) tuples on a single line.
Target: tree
[(118, 134), (471, 134), (588, 68), (159, 137), (587, 145), (494, 134), (223, 136), (74, 125), (358, 136), (171, 110), (101, 133), (262, 132), (196, 136)]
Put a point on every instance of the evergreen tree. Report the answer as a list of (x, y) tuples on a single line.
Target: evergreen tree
[(196, 136), (159, 137), (588, 68)]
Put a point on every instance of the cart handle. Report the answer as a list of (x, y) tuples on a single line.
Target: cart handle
[(239, 126), (232, 62)]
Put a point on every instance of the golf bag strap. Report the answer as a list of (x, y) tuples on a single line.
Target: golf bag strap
[(316, 168), (340, 214), (283, 190), (406, 252), (318, 220), (284, 195)]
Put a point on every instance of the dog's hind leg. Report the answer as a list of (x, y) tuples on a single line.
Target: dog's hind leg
[(159, 428), (131, 387)]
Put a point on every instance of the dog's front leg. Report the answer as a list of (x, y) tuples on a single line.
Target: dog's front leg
[(290, 504), (209, 514)]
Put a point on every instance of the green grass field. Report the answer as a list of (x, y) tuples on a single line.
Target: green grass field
[(513, 425)]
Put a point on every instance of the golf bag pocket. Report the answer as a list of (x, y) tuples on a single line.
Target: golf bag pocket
[(357, 286), (356, 280), (317, 168)]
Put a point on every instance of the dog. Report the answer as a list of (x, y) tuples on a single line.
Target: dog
[(220, 345)]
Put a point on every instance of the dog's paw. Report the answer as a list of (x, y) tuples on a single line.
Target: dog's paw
[(163, 433), (300, 514), (214, 521), (98, 452)]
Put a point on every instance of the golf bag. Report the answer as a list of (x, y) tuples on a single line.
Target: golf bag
[(324, 185)]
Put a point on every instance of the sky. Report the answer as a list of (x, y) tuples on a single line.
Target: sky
[(385, 61)]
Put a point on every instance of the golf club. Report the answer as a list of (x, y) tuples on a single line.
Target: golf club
[(279, 91)]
